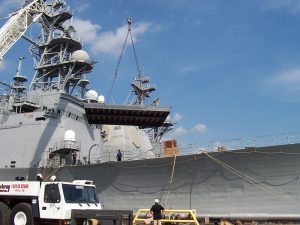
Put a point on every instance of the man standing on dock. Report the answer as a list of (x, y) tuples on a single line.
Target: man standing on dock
[(119, 155), (156, 211)]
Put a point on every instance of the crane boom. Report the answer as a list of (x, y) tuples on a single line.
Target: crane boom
[(18, 23)]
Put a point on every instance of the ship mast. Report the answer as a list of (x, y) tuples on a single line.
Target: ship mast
[(59, 62), (18, 86), (142, 89)]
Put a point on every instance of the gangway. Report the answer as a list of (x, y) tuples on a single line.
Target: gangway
[(18, 23)]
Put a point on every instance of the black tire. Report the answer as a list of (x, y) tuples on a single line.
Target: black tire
[(22, 210), (4, 214)]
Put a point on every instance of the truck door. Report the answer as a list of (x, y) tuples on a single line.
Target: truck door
[(50, 202)]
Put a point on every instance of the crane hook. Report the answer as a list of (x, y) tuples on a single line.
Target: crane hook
[(129, 20)]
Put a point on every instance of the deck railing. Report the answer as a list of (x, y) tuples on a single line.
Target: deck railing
[(241, 143)]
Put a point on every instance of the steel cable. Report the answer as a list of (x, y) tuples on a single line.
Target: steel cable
[(248, 178)]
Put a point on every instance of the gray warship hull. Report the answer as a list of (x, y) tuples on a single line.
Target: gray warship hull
[(248, 183)]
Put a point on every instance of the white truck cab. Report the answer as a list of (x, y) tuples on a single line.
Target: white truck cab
[(35, 202), (57, 199)]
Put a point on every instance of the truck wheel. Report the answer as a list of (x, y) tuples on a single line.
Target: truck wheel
[(21, 214), (4, 213)]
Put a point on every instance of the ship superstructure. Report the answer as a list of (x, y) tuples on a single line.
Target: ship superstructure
[(46, 126), (57, 121)]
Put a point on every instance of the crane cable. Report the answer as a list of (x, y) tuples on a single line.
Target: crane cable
[(135, 55), (249, 179), (118, 66), (171, 181), (129, 21)]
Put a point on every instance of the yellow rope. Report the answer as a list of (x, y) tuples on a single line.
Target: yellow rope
[(171, 180)]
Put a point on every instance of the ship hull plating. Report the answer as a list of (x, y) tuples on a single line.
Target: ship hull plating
[(250, 182)]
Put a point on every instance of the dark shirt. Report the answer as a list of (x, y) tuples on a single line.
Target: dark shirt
[(119, 156), (156, 210)]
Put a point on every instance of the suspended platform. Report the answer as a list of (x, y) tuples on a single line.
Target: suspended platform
[(131, 115)]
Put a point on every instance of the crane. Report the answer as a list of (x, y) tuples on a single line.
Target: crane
[(18, 23)]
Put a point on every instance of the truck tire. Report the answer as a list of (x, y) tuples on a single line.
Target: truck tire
[(4, 214), (21, 214)]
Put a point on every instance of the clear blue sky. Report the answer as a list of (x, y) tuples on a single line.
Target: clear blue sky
[(229, 69)]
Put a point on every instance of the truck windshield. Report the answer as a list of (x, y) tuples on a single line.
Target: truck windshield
[(79, 194)]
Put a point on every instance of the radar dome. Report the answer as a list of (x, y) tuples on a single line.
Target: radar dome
[(69, 136), (80, 55), (91, 95), (101, 99)]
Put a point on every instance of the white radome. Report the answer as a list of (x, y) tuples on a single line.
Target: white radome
[(69, 136), (80, 55), (91, 95), (101, 99)]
